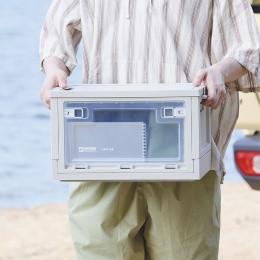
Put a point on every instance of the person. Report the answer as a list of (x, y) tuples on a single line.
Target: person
[(153, 41)]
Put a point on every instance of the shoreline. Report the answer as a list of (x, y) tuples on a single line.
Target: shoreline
[(42, 232)]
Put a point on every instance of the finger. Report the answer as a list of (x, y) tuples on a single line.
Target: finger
[(62, 79), (47, 104), (214, 105), (214, 101), (44, 94), (216, 93), (221, 99), (209, 102), (45, 98), (200, 76), (220, 96), (212, 97)]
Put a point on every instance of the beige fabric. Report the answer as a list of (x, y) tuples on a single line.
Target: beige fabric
[(132, 41), (152, 221)]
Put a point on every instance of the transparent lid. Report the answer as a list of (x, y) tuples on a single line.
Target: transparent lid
[(123, 132)]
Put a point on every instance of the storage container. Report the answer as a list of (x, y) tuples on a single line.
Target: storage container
[(130, 133)]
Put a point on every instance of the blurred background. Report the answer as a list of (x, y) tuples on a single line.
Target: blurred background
[(25, 161), (25, 173)]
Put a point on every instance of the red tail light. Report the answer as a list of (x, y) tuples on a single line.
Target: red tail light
[(248, 162)]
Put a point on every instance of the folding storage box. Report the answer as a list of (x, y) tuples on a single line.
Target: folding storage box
[(130, 133)]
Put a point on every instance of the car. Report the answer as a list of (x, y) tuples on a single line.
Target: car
[(247, 158), (256, 7), (247, 149)]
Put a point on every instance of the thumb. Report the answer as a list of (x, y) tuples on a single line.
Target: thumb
[(62, 79), (201, 74)]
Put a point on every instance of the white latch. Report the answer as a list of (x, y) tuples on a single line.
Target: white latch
[(170, 112), (69, 112), (179, 112), (74, 112)]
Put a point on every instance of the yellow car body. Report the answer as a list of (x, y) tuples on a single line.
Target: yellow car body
[(249, 114)]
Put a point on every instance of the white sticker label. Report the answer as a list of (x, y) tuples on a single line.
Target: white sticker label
[(107, 149), (88, 149)]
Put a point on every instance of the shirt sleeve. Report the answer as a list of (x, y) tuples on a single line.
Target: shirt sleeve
[(61, 32), (235, 35)]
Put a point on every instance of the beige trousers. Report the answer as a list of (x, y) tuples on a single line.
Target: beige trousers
[(146, 220)]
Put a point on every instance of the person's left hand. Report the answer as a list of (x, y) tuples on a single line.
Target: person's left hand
[(214, 81)]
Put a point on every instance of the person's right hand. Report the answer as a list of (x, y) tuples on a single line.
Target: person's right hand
[(56, 76), (56, 79)]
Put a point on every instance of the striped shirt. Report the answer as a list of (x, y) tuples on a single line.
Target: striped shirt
[(158, 41)]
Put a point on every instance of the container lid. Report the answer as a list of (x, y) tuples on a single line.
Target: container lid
[(129, 90)]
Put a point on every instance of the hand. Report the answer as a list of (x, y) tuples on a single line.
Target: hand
[(56, 79), (214, 81)]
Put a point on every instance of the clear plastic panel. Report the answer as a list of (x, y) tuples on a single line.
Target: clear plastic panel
[(123, 132)]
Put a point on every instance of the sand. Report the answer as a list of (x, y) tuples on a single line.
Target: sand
[(42, 233)]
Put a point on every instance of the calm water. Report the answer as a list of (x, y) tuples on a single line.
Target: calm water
[(25, 178)]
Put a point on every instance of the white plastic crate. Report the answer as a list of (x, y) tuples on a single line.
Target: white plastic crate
[(130, 133)]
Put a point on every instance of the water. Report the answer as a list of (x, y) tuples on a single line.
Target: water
[(25, 178), (25, 170)]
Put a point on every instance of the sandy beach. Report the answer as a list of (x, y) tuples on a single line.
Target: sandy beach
[(42, 233)]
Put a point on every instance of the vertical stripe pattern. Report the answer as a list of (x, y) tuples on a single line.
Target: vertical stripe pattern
[(115, 43), (132, 41), (177, 34), (163, 44), (147, 45)]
